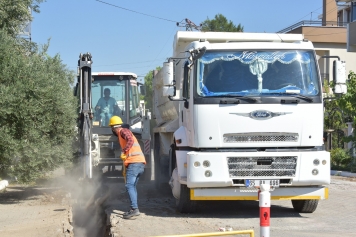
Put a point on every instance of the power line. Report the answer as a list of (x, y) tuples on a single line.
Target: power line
[(170, 37), (313, 29), (128, 63), (136, 11), (306, 15)]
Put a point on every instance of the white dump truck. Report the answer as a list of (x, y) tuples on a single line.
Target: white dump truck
[(236, 110)]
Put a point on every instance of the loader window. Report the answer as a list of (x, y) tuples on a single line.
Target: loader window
[(134, 100), (263, 73), (108, 99)]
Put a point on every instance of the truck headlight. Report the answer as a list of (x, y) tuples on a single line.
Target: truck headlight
[(324, 162), (206, 164), (208, 173), (196, 164), (315, 171), (316, 162)]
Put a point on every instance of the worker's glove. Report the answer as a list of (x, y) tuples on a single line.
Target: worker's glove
[(123, 156)]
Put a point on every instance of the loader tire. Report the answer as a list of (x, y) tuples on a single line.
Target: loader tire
[(305, 206), (184, 204)]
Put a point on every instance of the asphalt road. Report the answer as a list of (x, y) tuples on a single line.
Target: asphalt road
[(40, 211), (335, 216)]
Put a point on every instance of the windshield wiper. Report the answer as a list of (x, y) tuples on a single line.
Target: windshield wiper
[(297, 95), (238, 97)]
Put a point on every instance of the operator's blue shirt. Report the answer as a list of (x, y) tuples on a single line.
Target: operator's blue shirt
[(107, 106)]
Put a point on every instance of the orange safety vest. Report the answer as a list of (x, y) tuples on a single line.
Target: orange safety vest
[(135, 154)]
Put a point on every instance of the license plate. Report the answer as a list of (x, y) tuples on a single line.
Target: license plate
[(257, 182)]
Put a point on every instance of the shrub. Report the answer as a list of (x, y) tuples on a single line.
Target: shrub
[(340, 158)]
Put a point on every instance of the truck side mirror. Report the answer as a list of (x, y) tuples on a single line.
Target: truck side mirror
[(169, 91), (143, 90), (169, 88), (339, 77), (167, 73)]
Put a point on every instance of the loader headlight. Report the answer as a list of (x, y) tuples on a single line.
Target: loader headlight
[(95, 137)]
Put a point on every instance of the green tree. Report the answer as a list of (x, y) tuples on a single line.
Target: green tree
[(347, 104), (37, 110), (149, 89), (221, 24), (14, 15)]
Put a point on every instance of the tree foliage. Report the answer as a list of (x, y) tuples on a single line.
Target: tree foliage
[(347, 104), (37, 110), (339, 158), (221, 24), (14, 15), (149, 89)]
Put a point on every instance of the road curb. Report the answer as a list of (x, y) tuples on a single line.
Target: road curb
[(342, 173)]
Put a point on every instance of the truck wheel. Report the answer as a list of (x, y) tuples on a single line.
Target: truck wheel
[(184, 204), (305, 206)]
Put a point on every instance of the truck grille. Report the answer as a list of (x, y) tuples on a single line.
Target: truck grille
[(260, 137), (262, 166)]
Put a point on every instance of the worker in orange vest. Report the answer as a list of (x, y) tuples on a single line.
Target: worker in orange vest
[(133, 162)]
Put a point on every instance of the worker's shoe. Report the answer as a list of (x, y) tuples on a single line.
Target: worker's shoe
[(131, 214)]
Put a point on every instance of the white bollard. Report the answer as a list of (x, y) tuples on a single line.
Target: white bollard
[(264, 197), (3, 184)]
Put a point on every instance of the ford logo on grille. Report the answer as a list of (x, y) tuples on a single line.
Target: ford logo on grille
[(261, 114)]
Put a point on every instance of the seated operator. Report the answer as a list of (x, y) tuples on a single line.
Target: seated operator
[(107, 107)]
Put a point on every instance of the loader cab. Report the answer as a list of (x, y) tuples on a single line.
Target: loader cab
[(114, 94)]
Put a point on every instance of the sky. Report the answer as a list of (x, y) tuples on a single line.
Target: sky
[(137, 35)]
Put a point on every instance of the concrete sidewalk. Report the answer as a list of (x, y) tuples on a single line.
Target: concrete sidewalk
[(342, 173)]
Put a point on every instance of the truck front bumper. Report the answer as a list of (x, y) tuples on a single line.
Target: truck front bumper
[(227, 169), (240, 193)]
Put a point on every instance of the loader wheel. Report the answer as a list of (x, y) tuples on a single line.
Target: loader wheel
[(305, 206), (184, 204)]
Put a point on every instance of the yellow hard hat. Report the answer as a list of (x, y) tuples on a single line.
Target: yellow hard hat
[(115, 120)]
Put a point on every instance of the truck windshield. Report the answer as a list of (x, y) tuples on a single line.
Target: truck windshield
[(261, 73)]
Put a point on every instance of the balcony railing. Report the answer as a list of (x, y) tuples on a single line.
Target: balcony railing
[(314, 23)]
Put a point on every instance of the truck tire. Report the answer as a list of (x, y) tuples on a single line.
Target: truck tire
[(184, 204), (305, 206)]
